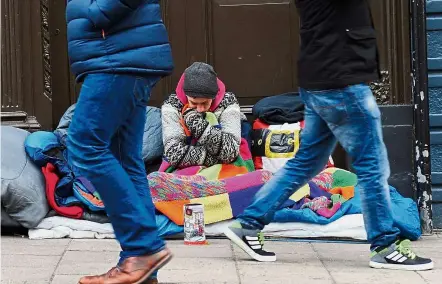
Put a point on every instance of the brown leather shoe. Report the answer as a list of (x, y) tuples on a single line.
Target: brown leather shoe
[(133, 270)]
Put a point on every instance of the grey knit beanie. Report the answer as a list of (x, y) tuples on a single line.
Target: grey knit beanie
[(200, 81)]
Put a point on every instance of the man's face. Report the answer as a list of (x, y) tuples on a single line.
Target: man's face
[(200, 104)]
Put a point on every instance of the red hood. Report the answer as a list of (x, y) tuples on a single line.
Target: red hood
[(219, 97)]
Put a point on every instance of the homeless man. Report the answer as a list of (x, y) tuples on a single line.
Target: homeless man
[(119, 49), (189, 137)]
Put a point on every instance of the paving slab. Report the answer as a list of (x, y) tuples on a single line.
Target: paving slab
[(19, 241), (66, 279), (349, 272), (94, 245), (26, 275), (33, 250), (283, 272), (200, 270), (21, 268), (86, 262), (280, 247), (65, 261), (432, 276)]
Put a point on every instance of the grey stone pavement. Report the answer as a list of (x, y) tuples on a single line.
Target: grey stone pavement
[(64, 261)]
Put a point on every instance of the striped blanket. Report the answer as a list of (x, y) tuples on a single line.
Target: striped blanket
[(242, 165), (224, 199)]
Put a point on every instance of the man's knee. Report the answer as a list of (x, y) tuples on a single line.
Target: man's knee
[(84, 147)]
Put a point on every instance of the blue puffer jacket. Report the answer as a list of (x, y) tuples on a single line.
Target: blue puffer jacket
[(121, 36)]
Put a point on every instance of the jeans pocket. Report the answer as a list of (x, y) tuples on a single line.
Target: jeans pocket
[(143, 88), (362, 102), (334, 114), (331, 106)]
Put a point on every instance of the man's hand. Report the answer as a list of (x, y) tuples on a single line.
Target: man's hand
[(195, 122)]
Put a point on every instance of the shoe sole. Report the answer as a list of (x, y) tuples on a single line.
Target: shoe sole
[(418, 267), (162, 262), (240, 243)]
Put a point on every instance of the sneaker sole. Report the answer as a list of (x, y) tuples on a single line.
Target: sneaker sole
[(418, 267), (242, 245)]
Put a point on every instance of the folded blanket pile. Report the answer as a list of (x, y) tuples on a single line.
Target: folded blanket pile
[(222, 199), (225, 199)]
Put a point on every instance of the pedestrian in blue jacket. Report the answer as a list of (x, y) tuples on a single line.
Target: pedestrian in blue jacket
[(119, 49)]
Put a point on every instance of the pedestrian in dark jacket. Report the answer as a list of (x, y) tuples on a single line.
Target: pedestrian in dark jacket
[(338, 58), (119, 49)]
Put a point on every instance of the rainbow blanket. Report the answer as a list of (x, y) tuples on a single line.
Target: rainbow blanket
[(224, 199), (242, 165)]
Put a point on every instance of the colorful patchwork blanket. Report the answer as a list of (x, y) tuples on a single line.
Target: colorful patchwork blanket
[(242, 165), (226, 198), (222, 199)]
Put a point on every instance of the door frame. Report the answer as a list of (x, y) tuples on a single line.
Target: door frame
[(422, 153)]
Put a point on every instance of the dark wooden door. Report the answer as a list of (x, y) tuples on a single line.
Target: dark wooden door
[(253, 44), (24, 81)]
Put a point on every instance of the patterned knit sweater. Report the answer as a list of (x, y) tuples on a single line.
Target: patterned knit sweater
[(214, 145)]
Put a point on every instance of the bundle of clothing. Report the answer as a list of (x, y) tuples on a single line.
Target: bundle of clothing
[(74, 196), (326, 193), (277, 130), (23, 198), (68, 195)]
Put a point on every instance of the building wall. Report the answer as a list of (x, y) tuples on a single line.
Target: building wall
[(434, 37)]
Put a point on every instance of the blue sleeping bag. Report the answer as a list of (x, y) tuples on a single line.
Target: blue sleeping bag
[(405, 214)]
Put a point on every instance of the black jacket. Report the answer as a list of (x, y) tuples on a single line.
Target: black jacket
[(338, 44)]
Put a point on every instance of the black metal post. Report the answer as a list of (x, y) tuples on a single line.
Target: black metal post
[(422, 162)]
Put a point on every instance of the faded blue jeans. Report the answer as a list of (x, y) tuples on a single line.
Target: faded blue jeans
[(352, 117), (105, 144)]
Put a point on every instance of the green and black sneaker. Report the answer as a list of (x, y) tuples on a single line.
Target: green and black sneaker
[(399, 256), (250, 241)]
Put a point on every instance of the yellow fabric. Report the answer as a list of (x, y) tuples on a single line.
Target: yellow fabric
[(301, 193), (216, 208), (330, 170), (212, 172), (295, 142)]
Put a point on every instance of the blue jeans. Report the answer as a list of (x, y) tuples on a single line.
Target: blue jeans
[(352, 117), (105, 144)]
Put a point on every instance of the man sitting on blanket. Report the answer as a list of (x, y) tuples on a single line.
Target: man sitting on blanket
[(201, 121)]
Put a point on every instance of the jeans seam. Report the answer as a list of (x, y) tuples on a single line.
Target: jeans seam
[(142, 253), (134, 91), (139, 98), (120, 154)]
